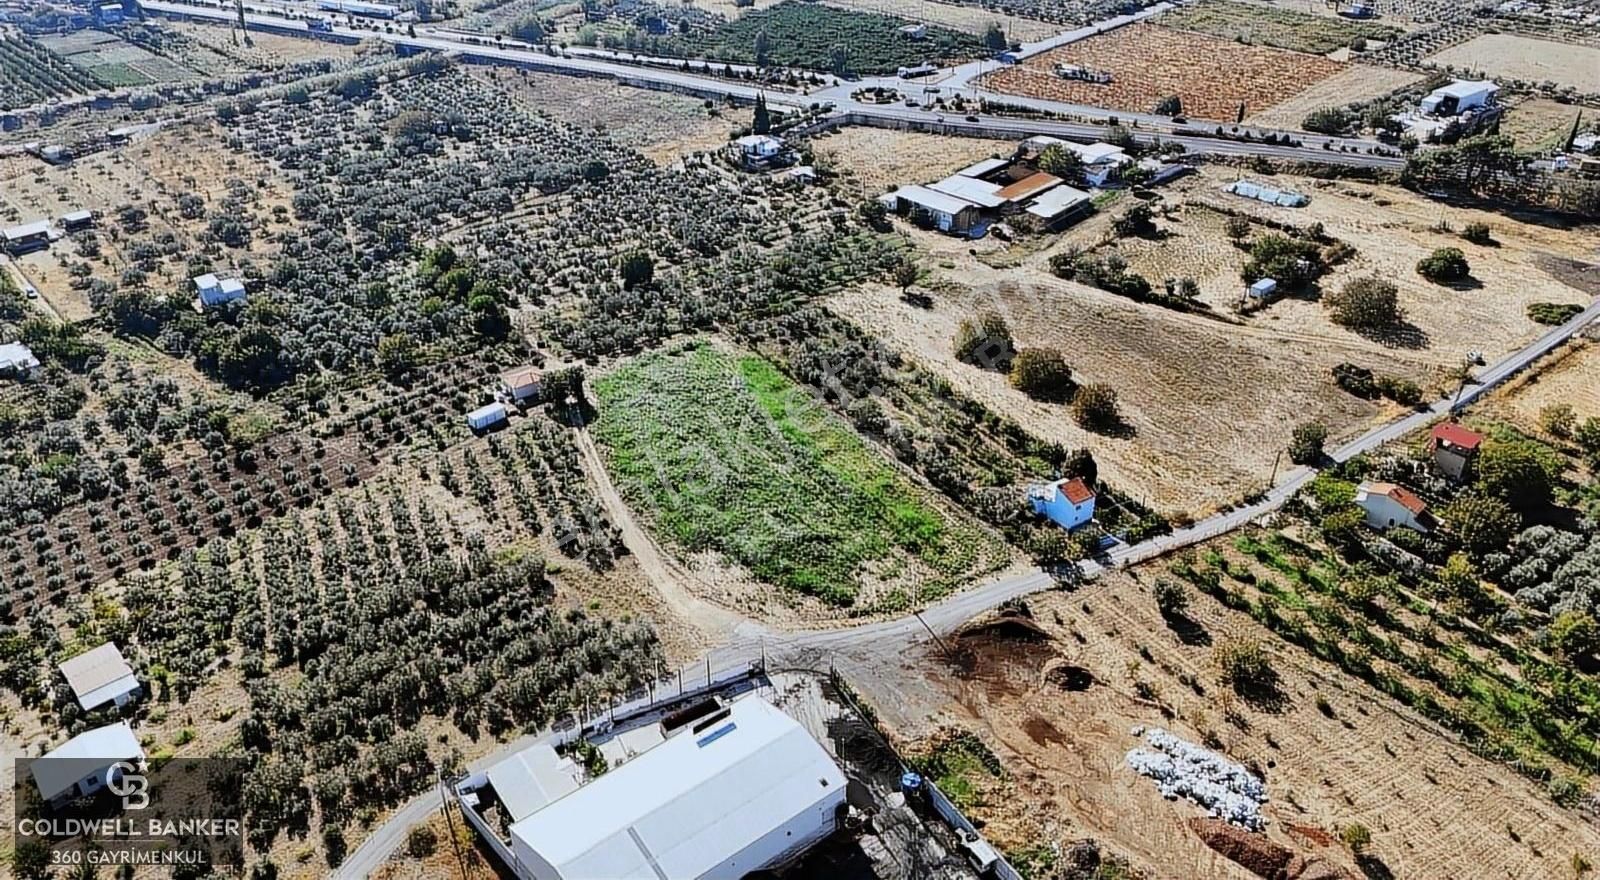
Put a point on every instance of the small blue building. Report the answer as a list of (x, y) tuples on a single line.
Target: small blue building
[(1068, 503), (110, 13)]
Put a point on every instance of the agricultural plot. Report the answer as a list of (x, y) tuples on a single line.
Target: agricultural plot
[(722, 453), (267, 50), (1356, 83), (1523, 58), (1060, 12), (1211, 75), (660, 125), (1571, 377), (114, 60), (971, 19), (1539, 124), (871, 161), (1260, 25), (30, 73), (816, 37)]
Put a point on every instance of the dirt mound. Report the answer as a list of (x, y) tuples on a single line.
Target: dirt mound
[(1261, 856), (1068, 677), (1005, 651), (1002, 628)]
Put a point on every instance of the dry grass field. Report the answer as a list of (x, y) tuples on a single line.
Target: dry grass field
[(1509, 55), (870, 161), (972, 19), (659, 125), (1212, 75), (1539, 123), (1358, 82), (267, 50), (1435, 810), (1571, 376)]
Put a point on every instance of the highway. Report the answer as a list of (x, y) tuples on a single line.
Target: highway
[(667, 74)]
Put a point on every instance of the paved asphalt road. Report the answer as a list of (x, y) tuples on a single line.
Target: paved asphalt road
[(600, 63)]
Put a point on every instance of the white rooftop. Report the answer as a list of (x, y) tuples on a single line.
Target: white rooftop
[(979, 169), (91, 750), (756, 140), (932, 199), (1466, 88), (206, 281), (1057, 199), (687, 806), (1097, 153), (98, 676), (979, 192), (26, 230), (532, 778), (231, 285)]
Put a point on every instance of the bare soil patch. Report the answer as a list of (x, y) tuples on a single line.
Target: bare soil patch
[(267, 50), (1517, 57), (1212, 75), (660, 125), (972, 19), (871, 161), (1571, 376), (1358, 82), (1434, 808)]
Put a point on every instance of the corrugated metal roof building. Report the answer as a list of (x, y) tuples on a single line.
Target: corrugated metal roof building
[(743, 789)]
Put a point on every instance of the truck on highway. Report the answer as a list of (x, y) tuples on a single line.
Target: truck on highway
[(320, 25)]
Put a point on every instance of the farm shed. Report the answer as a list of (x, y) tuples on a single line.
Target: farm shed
[(17, 360), (84, 764), (521, 384), (356, 7), (110, 13), (1459, 97), (531, 779), (1028, 187), (755, 150), (1387, 505), (1453, 448), (26, 237), (743, 789), (215, 291), (1263, 288), (76, 220), (485, 417), (979, 192), (984, 168), (1059, 206), (947, 213), (1263, 193), (1068, 503), (100, 676)]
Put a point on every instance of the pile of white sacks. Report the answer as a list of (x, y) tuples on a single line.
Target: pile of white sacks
[(1182, 769)]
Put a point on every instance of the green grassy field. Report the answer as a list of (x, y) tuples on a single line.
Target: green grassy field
[(724, 453), (1269, 26)]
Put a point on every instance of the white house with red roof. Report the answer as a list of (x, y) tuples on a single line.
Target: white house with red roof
[(1387, 505), (1453, 447), (1068, 503)]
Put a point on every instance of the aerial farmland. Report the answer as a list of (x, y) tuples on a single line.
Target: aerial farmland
[(1120, 441)]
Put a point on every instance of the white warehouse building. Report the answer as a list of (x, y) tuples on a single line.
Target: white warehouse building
[(743, 789)]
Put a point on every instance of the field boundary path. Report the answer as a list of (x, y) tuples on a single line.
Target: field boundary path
[(883, 644)]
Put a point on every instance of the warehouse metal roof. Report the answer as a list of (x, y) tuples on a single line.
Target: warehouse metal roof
[(529, 780), (979, 192), (60, 770), (691, 803), (932, 199), (1056, 200), (98, 676)]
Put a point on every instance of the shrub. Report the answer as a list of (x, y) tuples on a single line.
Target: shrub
[(1237, 228), (1552, 313), (1292, 262), (1171, 105), (1305, 444), (638, 269), (1136, 221), (1574, 634), (1367, 303), (1446, 265), (1327, 120), (1402, 391), (1243, 665), (421, 842), (1523, 472), (1481, 523), (1042, 373), (1062, 163), (1172, 598), (985, 342), (1356, 837), (1478, 233), (1558, 420), (529, 28), (1095, 407)]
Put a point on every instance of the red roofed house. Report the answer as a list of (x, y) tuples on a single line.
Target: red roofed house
[(1453, 448), (1387, 505), (1068, 503)]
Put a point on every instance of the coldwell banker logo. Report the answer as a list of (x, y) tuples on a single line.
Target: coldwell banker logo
[(86, 811)]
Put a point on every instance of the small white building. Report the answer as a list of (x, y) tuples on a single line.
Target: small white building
[(17, 361), (1059, 206), (100, 676), (1263, 288), (26, 237), (946, 212), (756, 149), (85, 764), (214, 291), (1386, 505), (1458, 97), (979, 192), (521, 384), (743, 789), (484, 418), (1101, 161)]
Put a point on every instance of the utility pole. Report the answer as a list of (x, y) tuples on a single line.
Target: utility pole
[(455, 841), (1273, 481)]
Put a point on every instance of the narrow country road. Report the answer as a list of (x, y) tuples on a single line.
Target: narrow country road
[(886, 641)]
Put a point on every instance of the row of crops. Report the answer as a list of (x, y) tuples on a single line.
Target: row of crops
[(30, 73)]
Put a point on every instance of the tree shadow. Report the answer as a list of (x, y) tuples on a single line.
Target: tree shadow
[(1119, 429), (1373, 868), (1188, 630), (1264, 693), (1467, 283), (1404, 334)]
